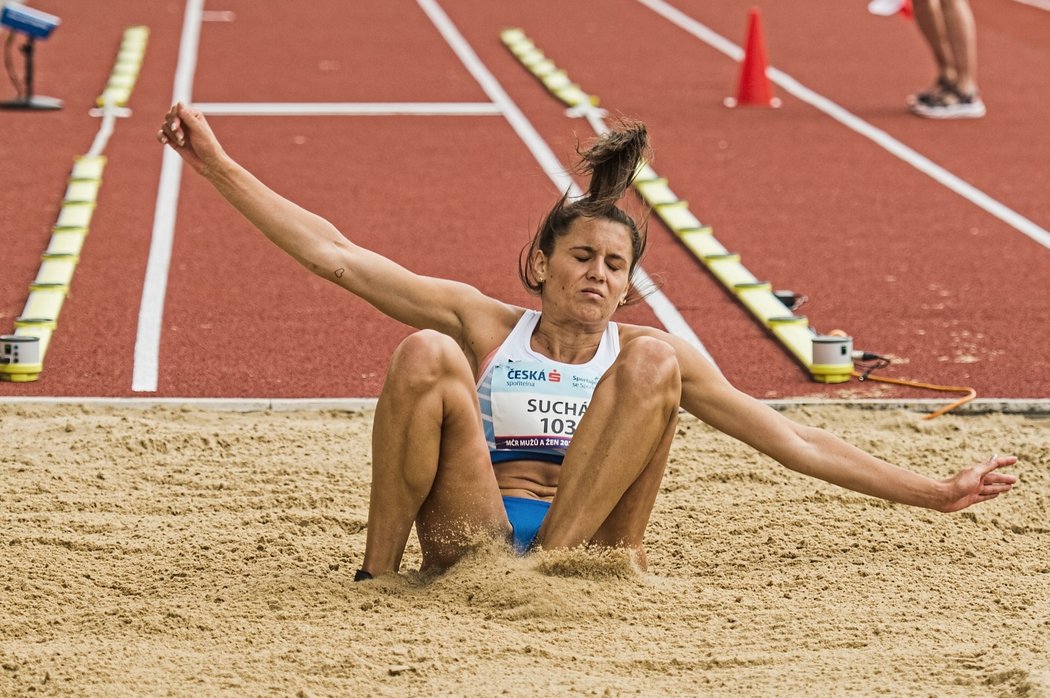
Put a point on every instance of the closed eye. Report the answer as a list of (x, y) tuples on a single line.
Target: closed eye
[(584, 254)]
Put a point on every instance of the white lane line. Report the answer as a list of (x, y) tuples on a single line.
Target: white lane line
[(155, 285), (218, 16), (350, 109), (109, 113), (858, 125), (1041, 4), (662, 307)]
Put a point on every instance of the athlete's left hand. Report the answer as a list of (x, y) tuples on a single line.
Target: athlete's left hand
[(979, 483)]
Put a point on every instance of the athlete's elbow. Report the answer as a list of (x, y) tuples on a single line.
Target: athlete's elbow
[(330, 259), (801, 449)]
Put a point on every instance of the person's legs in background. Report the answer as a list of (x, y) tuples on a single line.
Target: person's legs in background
[(949, 29)]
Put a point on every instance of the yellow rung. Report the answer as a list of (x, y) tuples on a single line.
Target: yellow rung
[(57, 269), (114, 95), (45, 304), (131, 47), (127, 68), (64, 242), (557, 80), (763, 304), (75, 215), (677, 216), (121, 81), (703, 243), (645, 173), (731, 273), (81, 191), (574, 96), (133, 42), (512, 35), (798, 338), (532, 57), (521, 48), (656, 192), (88, 167), (132, 55), (543, 68), (137, 30)]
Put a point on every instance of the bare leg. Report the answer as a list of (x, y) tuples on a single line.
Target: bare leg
[(430, 463), (625, 526), (961, 36), (948, 27), (612, 470), (929, 16)]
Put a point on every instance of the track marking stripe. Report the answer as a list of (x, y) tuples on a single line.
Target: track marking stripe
[(350, 109), (1039, 4), (858, 125), (151, 308), (662, 307)]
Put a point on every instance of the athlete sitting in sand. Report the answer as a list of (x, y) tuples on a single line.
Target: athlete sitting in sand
[(546, 428)]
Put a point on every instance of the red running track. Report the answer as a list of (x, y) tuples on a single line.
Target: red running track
[(907, 267)]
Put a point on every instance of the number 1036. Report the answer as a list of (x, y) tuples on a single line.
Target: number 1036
[(557, 425)]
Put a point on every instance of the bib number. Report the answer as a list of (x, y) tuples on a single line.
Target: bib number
[(536, 405)]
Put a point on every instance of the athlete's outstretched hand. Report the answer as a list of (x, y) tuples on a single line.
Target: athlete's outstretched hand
[(187, 131), (979, 483)]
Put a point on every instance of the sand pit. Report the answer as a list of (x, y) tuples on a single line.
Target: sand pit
[(185, 551)]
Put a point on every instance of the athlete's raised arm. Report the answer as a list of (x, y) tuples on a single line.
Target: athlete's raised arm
[(418, 301)]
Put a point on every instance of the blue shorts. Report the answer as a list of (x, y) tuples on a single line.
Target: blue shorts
[(526, 516)]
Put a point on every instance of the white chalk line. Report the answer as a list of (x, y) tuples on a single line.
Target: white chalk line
[(1040, 4), (349, 108), (155, 283)]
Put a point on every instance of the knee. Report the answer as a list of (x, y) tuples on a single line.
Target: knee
[(648, 369), (425, 358)]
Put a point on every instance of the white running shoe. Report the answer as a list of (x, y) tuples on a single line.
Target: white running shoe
[(954, 105)]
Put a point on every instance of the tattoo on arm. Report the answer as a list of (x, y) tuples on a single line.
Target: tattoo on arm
[(339, 272)]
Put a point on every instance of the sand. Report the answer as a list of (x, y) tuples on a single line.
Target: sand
[(179, 551)]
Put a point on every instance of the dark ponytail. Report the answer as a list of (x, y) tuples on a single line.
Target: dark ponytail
[(611, 163)]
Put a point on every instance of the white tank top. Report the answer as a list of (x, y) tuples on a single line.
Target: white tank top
[(530, 404)]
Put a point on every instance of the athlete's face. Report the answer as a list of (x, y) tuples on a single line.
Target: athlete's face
[(588, 275)]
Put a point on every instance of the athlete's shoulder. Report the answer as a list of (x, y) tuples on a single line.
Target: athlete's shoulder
[(485, 337), (628, 332)]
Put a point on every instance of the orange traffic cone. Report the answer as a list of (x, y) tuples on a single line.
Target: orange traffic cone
[(754, 88)]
